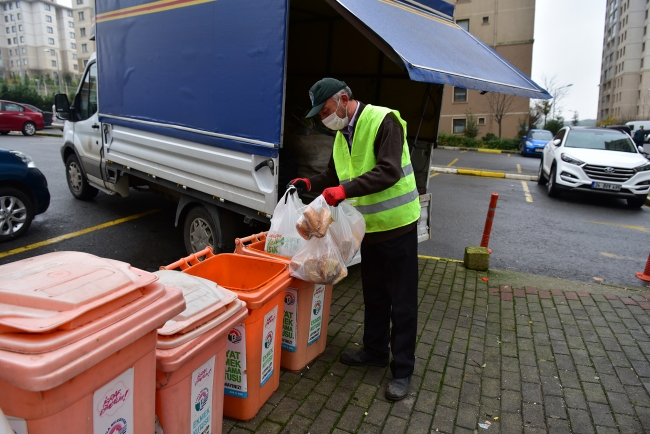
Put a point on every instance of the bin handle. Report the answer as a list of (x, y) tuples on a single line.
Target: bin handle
[(251, 239), (189, 261)]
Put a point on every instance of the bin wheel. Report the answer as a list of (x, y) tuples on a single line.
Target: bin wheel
[(200, 230)]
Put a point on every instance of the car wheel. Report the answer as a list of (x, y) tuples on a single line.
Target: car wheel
[(636, 202), (16, 213), (29, 129), (77, 182), (200, 230), (551, 187), (541, 178), (4, 133)]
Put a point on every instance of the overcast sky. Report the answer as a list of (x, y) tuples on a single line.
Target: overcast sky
[(569, 46)]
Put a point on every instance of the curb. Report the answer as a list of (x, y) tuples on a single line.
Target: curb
[(485, 150), (484, 173), (38, 133)]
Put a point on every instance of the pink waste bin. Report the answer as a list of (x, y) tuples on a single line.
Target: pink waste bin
[(191, 355), (78, 343)]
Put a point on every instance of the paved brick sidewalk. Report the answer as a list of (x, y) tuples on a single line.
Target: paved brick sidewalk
[(521, 359)]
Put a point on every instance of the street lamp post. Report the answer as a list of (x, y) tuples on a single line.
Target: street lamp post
[(558, 96), (58, 69)]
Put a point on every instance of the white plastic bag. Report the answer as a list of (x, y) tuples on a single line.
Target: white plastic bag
[(283, 238), (314, 219), (348, 230), (319, 261)]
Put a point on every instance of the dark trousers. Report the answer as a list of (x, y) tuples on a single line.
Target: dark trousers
[(389, 274)]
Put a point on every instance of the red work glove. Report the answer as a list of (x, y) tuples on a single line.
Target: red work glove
[(334, 195), (302, 185)]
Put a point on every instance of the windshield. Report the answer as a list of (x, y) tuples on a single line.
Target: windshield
[(605, 140), (541, 135)]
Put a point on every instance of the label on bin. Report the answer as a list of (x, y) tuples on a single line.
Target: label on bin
[(290, 323), (113, 406), (316, 321), (236, 381), (201, 398), (268, 341), (19, 426)]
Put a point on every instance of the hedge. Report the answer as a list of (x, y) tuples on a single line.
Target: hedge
[(466, 142)]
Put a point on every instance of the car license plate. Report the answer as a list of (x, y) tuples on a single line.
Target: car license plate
[(539, 149), (605, 186)]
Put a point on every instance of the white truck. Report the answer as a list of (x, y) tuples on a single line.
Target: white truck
[(201, 99)]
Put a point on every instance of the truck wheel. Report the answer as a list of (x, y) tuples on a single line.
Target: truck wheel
[(77, 183), (16, 213), (200, 230), (29, 129)]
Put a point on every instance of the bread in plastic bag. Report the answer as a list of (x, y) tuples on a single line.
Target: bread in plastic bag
[(348, 230), (283, 238), (319, 261), (314, 219)]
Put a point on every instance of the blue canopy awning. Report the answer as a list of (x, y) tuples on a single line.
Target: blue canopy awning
[(434, 49)]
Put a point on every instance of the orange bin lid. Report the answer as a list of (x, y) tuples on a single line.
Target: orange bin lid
[(255, 280)]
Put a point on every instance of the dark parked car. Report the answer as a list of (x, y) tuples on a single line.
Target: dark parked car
[(18, 117), (47, 116), (23, 193)]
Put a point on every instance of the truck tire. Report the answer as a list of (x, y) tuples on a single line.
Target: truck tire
[(16, 213), (200, 230), (77, 182)]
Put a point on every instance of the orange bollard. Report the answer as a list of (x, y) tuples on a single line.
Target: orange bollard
[(646, 273), (488, 221)]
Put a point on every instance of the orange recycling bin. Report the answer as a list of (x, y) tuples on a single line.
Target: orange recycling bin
[(78, 344), (253, 348), (306, 310), (191, 355)]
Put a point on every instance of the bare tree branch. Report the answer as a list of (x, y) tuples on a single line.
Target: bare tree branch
[(498, 105)]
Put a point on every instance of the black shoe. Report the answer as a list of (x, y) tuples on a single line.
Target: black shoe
[(398, 388), (361, 358)]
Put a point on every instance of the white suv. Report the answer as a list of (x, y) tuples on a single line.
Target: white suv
[(595, 160)]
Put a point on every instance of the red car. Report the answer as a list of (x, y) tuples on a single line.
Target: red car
[(18, 117)]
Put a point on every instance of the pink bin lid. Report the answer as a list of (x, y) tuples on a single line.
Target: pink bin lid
[(46, 292), (208, 305)]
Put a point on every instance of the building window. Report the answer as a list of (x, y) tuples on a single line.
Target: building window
[(643, 47), (50, 41), (80, 2), (47, 7), (13, 29), (12, 63), (481, 121), (24, 61), (24, 51), (53, 62), (464, 24), (460, 94), (73, 45), (85, 63), (4, 6), (52, 53), (50, 30), (11, 17), (84, 48), (6, 19), (71, 35), (19, 16), (81, 16), (74, 57), (486, 20), (15, 40), (76, 67), (22, 39), (82, 31), (70, 13), (20, 27), (459, 125), (17, 5), (8, 41), (48, 19), (70, 24)]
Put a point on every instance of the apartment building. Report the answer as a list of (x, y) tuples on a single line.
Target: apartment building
[(507, 26), (84, 17), (624, 93), (37, 37)]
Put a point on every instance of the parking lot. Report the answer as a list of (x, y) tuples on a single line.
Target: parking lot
[(574, 237)]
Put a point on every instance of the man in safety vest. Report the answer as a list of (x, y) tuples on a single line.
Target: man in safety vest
[(370, 163)]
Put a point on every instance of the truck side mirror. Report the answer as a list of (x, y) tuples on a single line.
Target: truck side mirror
[(62, 106)]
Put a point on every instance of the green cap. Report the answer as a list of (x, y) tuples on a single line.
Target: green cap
[(322, 91)]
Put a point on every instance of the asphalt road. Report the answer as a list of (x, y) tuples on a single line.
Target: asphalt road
[(510, 163), (572, 237)]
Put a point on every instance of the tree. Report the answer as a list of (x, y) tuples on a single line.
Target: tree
[(498, 105), (554, 125), (575, 120), (67, 78), (471, 127)]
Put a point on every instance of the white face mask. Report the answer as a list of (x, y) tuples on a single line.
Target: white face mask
[(334, 122)]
